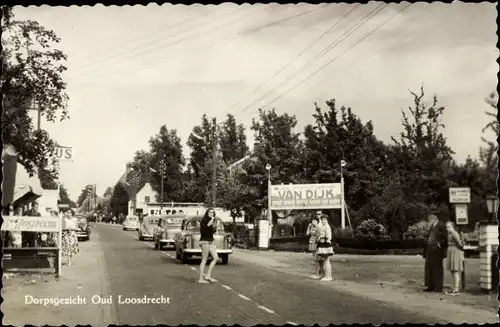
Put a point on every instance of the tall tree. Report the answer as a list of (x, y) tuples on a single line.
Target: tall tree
[(108, 192), (201, 148), (166, 146), (31, 73), (488, 153), (86, 191), (119, 200), (64, 197), (422, 155), (142, 161), (232, 140), (47, 180)]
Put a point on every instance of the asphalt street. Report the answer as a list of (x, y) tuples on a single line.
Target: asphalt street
[(244, 294)]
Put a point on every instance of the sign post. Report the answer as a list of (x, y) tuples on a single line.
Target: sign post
[(460, 198)]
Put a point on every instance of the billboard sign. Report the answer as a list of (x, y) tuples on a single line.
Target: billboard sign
[(31, 224), (459, 195), (306, 196), (64, 153), (461, 214)]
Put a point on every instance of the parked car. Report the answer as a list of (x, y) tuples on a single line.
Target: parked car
[(83, 231), (187, 240), (147, 227), (168, 226), (131, 222)]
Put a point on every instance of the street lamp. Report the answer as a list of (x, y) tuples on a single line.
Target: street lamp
[(492, 205), (269, 202), (343, 163)]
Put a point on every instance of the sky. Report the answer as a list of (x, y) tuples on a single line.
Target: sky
[(132, 69)]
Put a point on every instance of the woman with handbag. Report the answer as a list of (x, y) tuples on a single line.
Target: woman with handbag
[(69, 238), (325, 249), (455, 256)]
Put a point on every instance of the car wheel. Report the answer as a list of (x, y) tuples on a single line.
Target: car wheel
[(124, 228), (141, 238), (225, 259)]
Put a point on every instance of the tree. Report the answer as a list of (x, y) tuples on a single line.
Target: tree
[(201, 149), (421, 155), (31, 73), (142, 161), (47, 181), (166, 146), (488, 154), (232, 141), (64, 197), (119, 200), (108, 192), (341, 135), (86, 191)]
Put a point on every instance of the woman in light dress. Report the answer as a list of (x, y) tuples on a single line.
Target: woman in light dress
[(325, 249), (313, 231), (69, 239), (455, 256)]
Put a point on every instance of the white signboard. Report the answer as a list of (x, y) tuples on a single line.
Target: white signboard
[(31, 224), (459, 195), (306, 196), (64, 153), (264, 234), (461, 214)]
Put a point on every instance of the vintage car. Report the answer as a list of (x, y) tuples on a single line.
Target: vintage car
[(83, 232), (168, 226), (187, 240), (147, 227), (131, 222)]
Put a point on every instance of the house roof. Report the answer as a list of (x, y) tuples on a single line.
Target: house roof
[(133, 182)]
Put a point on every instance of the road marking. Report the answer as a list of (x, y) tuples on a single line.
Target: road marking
[(266, 309), (227, 287), (291, 323), (243, 297), (192, 268)]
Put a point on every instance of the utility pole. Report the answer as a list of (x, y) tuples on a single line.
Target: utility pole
[(214, 162), (162, 174)]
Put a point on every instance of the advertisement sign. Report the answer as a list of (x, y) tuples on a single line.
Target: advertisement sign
[(459, 195), (263, 235), (31, 224), (64, 153), (461, 214), (306, 196)]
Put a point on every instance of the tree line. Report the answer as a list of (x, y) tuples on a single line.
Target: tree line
[(394, 183)]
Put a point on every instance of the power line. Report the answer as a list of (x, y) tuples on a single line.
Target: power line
[(143, 37), (179, 41), (296, 57), (231, 38), (334, 59), (322, 53)]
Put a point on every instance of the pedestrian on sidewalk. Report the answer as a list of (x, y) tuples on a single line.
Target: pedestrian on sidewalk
[(69, 239), (208, 226), (455, 257), (325, 249), (434, 253), (314, 232)]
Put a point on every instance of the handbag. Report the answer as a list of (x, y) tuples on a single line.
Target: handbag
[(324, 247)]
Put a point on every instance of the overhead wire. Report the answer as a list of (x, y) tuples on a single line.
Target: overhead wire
[(209, 45), (295, 58), (322, 53), (176, 42), (340, 55), (142, 37)]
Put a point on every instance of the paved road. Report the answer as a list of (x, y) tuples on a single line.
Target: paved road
[(245, 294)]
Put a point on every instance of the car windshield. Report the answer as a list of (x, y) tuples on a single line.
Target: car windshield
[(174, 222), (132, 218), (194, 225), (82, 220), (151, 222)]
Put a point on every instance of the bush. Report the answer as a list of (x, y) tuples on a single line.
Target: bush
[(418, 231), (371, 230), (342, 233)]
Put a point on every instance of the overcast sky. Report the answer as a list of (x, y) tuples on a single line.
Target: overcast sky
[(132, 69)]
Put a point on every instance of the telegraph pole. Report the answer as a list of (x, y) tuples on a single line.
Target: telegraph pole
[(214, 162)]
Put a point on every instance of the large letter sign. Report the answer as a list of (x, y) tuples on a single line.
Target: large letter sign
[(64, 153), (306, 196)]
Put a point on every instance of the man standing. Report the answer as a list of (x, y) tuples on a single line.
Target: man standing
[(29, 238), (434, 253)]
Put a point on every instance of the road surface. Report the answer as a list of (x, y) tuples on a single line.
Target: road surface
[(245, 294)]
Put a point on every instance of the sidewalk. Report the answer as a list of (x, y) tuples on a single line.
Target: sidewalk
[(383, 278), (85, 279)]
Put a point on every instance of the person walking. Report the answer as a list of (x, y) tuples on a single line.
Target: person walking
[(208, 226), (434, 253), (455, 256), (69, 239), (313, 231), (325, 249)]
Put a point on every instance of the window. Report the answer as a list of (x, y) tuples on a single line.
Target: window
[(152, 212), (147, 199)]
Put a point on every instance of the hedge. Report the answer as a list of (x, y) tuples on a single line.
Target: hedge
[(358, 244)]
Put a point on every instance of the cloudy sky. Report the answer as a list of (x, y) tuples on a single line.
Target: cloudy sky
[(132, 69)]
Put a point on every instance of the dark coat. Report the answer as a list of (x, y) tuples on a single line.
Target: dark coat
[(442, 236)]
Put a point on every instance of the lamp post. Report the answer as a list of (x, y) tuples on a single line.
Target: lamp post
[(492, 205), (269, 200)]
